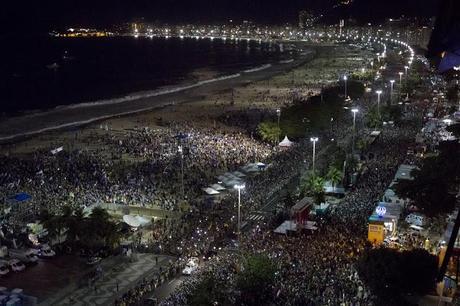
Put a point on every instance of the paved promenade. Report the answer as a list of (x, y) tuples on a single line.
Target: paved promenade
[(104, 291)]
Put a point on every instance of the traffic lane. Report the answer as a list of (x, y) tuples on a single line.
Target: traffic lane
[(46, 276), (167, 288)]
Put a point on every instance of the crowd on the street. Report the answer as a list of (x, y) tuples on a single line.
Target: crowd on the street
[(147, 167), (319, 269)]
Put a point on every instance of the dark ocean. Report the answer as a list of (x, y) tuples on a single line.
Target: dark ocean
[(40, 73)]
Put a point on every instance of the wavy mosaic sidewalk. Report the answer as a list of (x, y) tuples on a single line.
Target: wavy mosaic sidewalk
[(105, 291)]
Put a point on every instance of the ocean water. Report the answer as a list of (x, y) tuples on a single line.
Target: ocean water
[(41, 73)]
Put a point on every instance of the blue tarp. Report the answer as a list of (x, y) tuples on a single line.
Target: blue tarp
[(21, 197)]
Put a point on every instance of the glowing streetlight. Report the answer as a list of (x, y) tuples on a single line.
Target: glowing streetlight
[(354, 111), (239, 187), (179, 149), (278, 114), (392, 83), (345, 78), (378, 92), (400, 84), (314, 140)]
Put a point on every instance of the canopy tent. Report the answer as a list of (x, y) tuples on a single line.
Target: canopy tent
[(292, 226), (131, 221), (135, 221), (21, 197), (286, 142), (238, 174), (253, 167), (210, 191), (217, 187)]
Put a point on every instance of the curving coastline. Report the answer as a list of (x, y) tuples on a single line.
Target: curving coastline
[(18, 128)]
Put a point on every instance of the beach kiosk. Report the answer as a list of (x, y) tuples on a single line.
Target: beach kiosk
[(383, 222), (301, 210)]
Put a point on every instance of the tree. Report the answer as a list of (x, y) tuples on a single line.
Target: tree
[(54, 225), (433, 184), (269, 131), (209, 291), (255, 279), (313, 185), (454, 129), (373, 119), (391, 274), (334, 175), (429, 189)]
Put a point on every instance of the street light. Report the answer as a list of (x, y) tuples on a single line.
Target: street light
[(354, 111), (345, 78), (400, 84), (392, 83), (239, 187), (179, 149), (378, 92), (406, 68), (314, 140), (278, 113)]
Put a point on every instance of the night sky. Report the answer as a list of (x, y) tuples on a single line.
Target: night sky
[(48, 14)]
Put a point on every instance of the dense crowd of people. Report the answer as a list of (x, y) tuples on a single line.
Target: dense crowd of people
[(319, 269), (144, 167)]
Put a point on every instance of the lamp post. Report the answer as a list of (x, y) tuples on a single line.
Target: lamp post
[(179, 149), (239, 188), (314, 140), (378, 92), (354, 111), (392, 83), (345, 78), (406, 69), (400, 83), (278, 113)]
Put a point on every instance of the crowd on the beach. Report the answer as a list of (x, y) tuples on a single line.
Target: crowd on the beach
[(147, 167)]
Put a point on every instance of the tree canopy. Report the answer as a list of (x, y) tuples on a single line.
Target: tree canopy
[(90, 232), (255, 279), (432, 186), (391, 274), (269, 131)]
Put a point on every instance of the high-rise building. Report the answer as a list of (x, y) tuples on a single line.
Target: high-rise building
[(306, 19)]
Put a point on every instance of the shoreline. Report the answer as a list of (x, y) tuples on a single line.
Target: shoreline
[(16, 129)]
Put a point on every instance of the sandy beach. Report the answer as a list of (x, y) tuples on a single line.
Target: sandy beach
[(266, 89)]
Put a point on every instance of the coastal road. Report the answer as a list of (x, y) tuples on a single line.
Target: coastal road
[(16, 128)]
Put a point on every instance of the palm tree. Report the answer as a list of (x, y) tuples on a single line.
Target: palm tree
[(53, 224), (313, 185), (75, 224), (269, 131), (335, 176), (101, 230)]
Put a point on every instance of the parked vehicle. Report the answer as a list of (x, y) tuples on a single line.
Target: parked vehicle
[(416, 219), (93, 260), (191, 266), (16, 265), (4, 267), (46, 251), (25, 255)]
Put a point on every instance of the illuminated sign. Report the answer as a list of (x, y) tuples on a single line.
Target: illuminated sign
[(381, 211)]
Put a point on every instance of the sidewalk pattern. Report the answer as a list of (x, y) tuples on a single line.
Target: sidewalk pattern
[(104, 292)]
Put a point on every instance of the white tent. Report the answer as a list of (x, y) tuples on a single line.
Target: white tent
[(217, 187), (210, 191), (131, 221), (286, 142), (142, 220)]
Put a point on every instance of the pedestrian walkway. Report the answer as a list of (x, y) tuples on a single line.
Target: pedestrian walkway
[(116, 282)]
